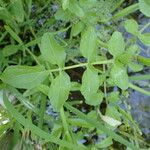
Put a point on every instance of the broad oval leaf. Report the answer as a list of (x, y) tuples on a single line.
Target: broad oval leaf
[(145, 7), (89, 89), (88, 43), (131, 26), (59, 90), (24, 77), (116, 44), (52, 51), (119, 76)]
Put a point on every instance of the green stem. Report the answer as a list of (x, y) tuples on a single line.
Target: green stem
[(145, 26), (140, 77), (42, 110), (65, 125), (139, 89), (83, 65)]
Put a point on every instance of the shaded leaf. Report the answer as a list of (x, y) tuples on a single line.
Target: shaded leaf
[(116, 44), (24, 77), (59, 90), (52, 51)]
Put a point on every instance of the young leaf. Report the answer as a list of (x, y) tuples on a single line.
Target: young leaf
[(145, 7), (116, 44), (131, 26), (17, 10), (105, 143), (75, 8), (88, 43), (89, 88), (119, 76), (24, 77), (52, 51), (59, 90)]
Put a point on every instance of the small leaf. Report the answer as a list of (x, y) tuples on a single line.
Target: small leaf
[(75, 8), (17, 10), (59, 90), (90, 89), (131, 26), (88, 43), (119, 76), (135, 67), (113, 97), (145, 38), (77, 28), (24, 77), (116, 44), (52, 51), (65, 4), (145, 7)]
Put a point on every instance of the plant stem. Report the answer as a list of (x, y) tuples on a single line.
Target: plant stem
[(65, 125), (145, 26), (139, 89), (83, 65)]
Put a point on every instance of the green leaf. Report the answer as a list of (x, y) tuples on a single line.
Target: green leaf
[(52, 51), (131, 26), (24, 77), (116, 44), (10, 50), (119, 76), (65, 4), (34, 129), (77, 28), (145, 7), (88, 43), (135, 67), (145, 38), (75, 8), (59, 90), (89, 89), (17, 10)]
